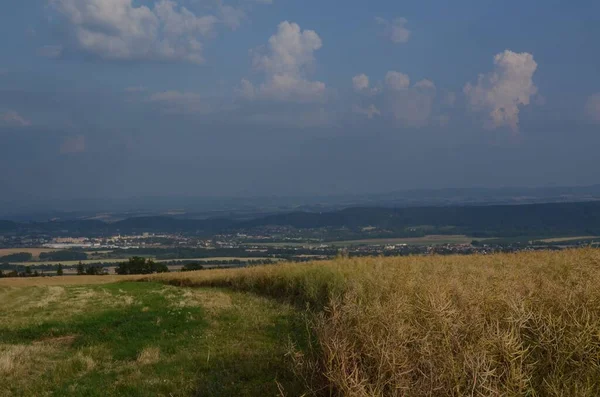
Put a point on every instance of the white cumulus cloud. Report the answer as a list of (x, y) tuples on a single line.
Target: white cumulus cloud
[(395, 29), (286, 63), (360, 82), (410, 106), (120, 30), (592, 107), (397, 81), (501, 92)]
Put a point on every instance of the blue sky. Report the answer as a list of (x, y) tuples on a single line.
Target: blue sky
[(119, 98)]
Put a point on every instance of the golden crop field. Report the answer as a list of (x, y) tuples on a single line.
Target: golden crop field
[(33, 251), (63, 280), (567, 239), (433, 239), (496, 325)]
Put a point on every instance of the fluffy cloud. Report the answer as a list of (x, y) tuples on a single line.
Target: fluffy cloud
[(410, 106), (12, 118), (502, 91), (73, 144), (425, 84), (286, 63), (396, 29), (119, 30), (360, 82), (592, 107), (397, 81)]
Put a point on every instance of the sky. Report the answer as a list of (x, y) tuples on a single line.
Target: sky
[(129, 98)]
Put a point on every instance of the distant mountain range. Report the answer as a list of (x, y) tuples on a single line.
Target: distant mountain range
[(253, 207), (580, 218)]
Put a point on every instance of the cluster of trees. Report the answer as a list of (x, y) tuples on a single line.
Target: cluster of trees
[(192, 253), (64, 255), (27, 272), (135, 265), (32, 271), (56, 256), (189, 267), (139, 265), (241, 262), (17, 257), (88, 270)]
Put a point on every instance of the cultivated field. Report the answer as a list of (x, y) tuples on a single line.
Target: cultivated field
[(63, 280), (498, 325), (567, 239), (33, 251), (425, 240), (433, 239), (525, 324)]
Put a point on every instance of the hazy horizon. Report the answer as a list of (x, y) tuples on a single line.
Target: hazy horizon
[(32, 208)]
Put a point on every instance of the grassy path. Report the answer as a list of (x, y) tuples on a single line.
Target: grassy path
[(144, 339)]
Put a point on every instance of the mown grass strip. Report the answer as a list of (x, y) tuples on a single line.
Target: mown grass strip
[(143, 339)]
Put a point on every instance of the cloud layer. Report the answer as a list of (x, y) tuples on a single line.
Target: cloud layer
[(165, 30), (360, 82), (119, 30), (501, 92), (408, 105)]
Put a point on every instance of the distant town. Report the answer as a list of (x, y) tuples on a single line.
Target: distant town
[(41, 254)]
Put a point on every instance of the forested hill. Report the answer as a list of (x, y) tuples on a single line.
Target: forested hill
[(581, 218), (507, 220), (7, 226)]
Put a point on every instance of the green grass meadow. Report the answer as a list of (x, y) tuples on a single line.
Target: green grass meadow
[(142, 339)]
